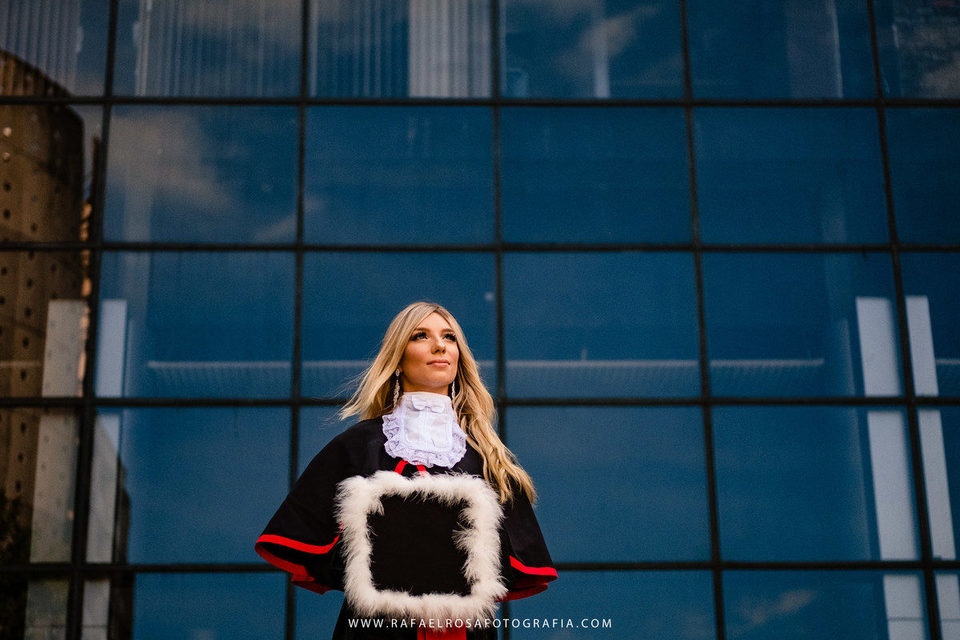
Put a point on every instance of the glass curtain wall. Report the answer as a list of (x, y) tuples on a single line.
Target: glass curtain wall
[(706, 254)]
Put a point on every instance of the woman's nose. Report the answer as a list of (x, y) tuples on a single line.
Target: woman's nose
[(440, 346)]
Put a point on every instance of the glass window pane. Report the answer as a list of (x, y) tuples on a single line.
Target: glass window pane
[(421, 175), (924, 153), (53, 47), (600, 325), (948, 598), (204, 511), (646, 605), (790, 175), (780, 49), (940, 444), (814, 483), (37, 468), (584, 49), (651, 494), (316, 614), (33, 608), (390, 48), (185, 173), (204, 605), (918, 48), (195, 325), (591, 175), (931, 282), (46, 163), (43, 317), (203, 48), (801, 324), (350, 298), (854, 605)]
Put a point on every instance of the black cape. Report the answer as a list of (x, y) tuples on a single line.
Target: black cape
[(302, 537)]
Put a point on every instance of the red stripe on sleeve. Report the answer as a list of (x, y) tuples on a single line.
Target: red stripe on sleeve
[(534, 571), (296, 545)]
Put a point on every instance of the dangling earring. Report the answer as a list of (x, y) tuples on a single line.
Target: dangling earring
[(396, 387)]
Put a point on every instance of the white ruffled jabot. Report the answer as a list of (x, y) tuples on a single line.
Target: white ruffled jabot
[(424, 429)]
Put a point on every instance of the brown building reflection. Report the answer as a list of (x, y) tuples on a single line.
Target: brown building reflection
[(44, 314)]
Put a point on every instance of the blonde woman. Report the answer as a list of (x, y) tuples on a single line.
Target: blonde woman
[(418, 512)]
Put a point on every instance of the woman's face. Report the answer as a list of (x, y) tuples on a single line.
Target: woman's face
[(430, 361)]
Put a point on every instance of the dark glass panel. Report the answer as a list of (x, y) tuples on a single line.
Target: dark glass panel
[(47, 157), (600, 325), (316, 614), (195, 325), (930, 282), (33, 606), (918, 44), (940, 444), (591, 175), (196, 485), (790, 175), (38, 460), (814, 484), (350, 299), (53, 47), (780, 49), (646, 605), (207, 605), (185, 173), (421, 175), (208, 48), (398, 48), (43, 318), (855, 605), (585, 49), (647, 502), (924, 153), (801, 324)]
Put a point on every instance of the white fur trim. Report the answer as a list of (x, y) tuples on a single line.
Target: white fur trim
[(358, 497)]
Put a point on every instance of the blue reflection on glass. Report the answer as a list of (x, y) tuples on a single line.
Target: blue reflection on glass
[(796, 483), (350, 298), (199, 484), (600, 325), (202, 48), (801, 324), (398, 48), (918, 44), (647, 605), (648, 502), (948, 595), (318, 426), (782, 605), (940, 442), (61, 42), (790, 175), (224, 174), (316, 614), (931, 282), (583, 49), (205, 606), (611, 175), (393, 175), (924, 153), (195, 325), (780, 49)]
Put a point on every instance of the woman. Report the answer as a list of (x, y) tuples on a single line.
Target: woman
[(418, 512)]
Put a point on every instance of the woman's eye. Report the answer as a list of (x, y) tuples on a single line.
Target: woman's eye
[(450, 337), (419, 335)]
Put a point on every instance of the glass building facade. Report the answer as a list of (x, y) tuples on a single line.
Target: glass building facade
[(707, 253)]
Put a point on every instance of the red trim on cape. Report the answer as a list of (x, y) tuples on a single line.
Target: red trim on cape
[(298, 573), (550, 572), (516, 594), (443, 634), (295, 544)]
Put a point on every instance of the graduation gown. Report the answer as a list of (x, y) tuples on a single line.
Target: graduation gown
[(304, 537)]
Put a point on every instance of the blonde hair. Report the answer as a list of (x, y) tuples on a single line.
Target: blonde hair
[(471, 401)]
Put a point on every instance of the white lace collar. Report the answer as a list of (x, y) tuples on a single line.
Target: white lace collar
[(424, 429)]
